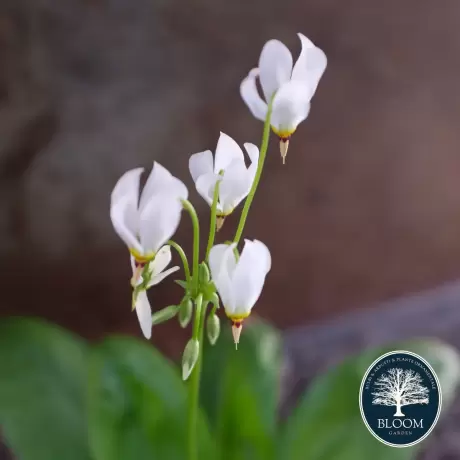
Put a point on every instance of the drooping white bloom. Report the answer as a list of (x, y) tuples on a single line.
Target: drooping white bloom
[(145, 224), (156, 273), (239, 282), (291, 86), (229, 167)]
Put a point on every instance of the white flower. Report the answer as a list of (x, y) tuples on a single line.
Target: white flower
[(229, 167), (292, 86), (155, 270), (239, 282), (145, 224)]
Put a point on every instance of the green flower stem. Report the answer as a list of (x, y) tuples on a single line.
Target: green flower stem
[(196, 241), (260, 166), (212, 228), (183, 257), (198, 329)]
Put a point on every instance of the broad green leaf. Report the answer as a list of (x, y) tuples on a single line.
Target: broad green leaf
[(42, 391), (327, 424), (240, 390), (138, 405)]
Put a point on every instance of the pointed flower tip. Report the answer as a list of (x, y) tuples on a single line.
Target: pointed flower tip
[(236, 332), (284, 145)]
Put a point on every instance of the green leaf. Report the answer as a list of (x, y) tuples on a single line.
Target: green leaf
[(42, 391), (138, 405), (327, 424), (240, 390)]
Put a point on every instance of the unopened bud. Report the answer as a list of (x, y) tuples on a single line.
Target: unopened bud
[(213, 328), (165, 314), (190, 357), (185, 312), (219, 222), (284, 145), (204, 273)]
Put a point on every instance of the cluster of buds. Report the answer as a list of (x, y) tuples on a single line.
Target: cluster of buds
[(147, 221)]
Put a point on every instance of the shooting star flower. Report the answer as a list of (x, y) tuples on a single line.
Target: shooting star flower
[(229, 167), (290, 86), (239, 282)]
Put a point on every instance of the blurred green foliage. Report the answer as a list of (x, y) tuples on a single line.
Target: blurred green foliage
[(62, 399)]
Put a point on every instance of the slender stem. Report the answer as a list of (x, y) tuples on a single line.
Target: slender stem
[(212, 228), (196, 240), (183, 257), (198, 327), (260, 166)]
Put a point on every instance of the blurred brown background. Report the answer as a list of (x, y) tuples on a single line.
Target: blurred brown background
[(367, 207)]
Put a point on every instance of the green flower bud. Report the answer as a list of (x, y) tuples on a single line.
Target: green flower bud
[(165, 314), (205, 276), (213, 328), (185, 312), (190, 357), (214, 300)]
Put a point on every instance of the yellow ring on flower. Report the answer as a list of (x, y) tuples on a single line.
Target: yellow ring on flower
[(283, 134), (237, 318), (140, 258)]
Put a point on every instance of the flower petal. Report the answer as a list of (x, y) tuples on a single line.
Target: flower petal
[(127, 190), (201, 163), (234, 187), (227, 151), (290, 106), (161, 181), (250, 95), (205, 187), (249, 276), (144, 314), (253, 153), (161, 261), (159, 220), (161, 276), (121, 214), (275, 65), (222, 264), (310, 65)]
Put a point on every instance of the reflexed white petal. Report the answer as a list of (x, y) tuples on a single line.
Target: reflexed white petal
[(249, 276), (119, 214), (161, 276), (234, 187), (162, 260), (290, 106), (144, 314), (253, 153), (261, 252), (127, 188), (158, 221), (250, 95), (310, 65), (205, 186), (201, 163), (127, 185), (222, 264), (275, 66), (227, 151), (158, 179)]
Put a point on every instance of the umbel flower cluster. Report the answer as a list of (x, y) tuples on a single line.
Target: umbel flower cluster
[(146, 221)]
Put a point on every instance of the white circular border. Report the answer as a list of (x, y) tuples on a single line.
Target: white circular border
[(428, 365)]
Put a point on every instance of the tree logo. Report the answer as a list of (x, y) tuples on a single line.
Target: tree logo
[(400, 398)]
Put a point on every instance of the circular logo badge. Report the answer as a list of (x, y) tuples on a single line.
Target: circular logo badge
[(400, 398)]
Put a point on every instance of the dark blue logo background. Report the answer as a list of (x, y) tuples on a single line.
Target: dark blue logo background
[(400, 398)]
